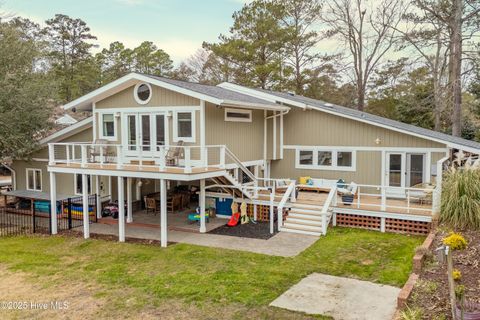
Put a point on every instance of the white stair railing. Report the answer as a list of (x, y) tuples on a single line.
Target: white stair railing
[(287, 195), (332, 197)]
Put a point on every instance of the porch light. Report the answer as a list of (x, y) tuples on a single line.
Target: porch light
[(117, 114), (377, 141)]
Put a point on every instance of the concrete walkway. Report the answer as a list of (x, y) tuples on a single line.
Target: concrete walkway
[(340, 298), (282, 244)]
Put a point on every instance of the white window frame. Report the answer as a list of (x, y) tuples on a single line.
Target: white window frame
[(135, 95), (333, 167), (34, 179), (115, 126), (176, 137), (75, 177), (233, 119)]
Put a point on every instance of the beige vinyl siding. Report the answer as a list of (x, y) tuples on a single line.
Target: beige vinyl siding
[(160, 97), (315, 128), (65, 182), (244, 139), (371, 163)]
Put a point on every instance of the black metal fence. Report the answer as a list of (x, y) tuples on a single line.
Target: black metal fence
[(71, 215), (27, 217)]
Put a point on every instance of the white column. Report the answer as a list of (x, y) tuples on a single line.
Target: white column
[(272, 197), (86, 216), (203, 227), (110, 187), (97, 192), (138, 189), (254, 212), (163, 213), (121, 210), (129, 200), (53, 202)]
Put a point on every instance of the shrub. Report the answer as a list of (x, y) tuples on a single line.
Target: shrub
[(411, 314), (460, 206), (457, 274), (455, 241)]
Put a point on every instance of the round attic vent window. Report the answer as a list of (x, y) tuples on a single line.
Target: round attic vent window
[(142, 93)]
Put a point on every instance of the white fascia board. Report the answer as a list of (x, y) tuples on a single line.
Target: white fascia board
[(127, 81), (245, 105), (68, 131), (261, 95), (138, 174)]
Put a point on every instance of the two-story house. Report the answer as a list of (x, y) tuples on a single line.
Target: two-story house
[(149, 133)]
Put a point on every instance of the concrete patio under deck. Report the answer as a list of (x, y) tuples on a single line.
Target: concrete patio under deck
[(282, 244), (177, 220)]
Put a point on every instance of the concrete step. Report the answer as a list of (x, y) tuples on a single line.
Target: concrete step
[(306, 211), (292, 225), (306, 222), (285, 229)]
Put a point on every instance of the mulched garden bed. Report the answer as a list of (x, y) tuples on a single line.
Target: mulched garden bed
[(259, 230), (431, 293)]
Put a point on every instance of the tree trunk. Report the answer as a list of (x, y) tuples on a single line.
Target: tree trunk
[(456, 69), (360, 96)]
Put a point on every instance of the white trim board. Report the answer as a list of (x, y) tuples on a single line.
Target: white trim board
[(378, 149), (68, 131)]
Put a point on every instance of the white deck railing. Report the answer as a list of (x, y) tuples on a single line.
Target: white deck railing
[(397, 199), (158, 157)]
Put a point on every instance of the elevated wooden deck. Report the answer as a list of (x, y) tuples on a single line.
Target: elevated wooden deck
[(139, 168)]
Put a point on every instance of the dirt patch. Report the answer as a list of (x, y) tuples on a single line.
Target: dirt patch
[(259, 230), (431, 293), (26, 298), (109, 237)]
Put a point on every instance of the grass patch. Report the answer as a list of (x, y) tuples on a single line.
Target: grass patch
[(207, 277)]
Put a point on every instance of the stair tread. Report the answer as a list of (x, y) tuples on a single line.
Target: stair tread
[(312, 223), (308, 232)]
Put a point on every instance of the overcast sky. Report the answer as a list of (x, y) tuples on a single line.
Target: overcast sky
[(177, 26)]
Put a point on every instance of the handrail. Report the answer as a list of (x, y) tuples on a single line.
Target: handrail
[(332, 196), (281, 205), (240, 164)]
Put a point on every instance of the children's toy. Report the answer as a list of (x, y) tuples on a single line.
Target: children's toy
[(243, 210), (111, 210), (77, 209), (195, 217), (234, 220)]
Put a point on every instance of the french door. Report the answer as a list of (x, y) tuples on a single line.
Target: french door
[(403, 170), (143, 133)]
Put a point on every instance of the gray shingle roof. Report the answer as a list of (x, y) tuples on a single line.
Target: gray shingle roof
[(376, 119), (214, 91)]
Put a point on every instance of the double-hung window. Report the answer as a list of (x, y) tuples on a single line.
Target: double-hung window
[(184, 126), (34, 179), (324, 159), (109, 127)]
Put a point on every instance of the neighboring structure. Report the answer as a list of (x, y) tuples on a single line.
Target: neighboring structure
[(242, 143)]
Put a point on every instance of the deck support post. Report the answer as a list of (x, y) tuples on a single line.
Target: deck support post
[(86, 213), (121, 210), (272, 197), (163, 213), (203, 227), (254, 212), (97, 194), (334, 219), (129, 200), (53, 202), (382, 224)]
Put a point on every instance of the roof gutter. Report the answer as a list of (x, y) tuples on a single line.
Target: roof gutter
[(245, 105)]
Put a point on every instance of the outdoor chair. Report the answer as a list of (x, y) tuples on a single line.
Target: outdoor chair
[(174, 203), (185, 199), (151, 205), (174, 154), (99, 151)]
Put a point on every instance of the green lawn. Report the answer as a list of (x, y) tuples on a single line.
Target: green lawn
[(231, 283)]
